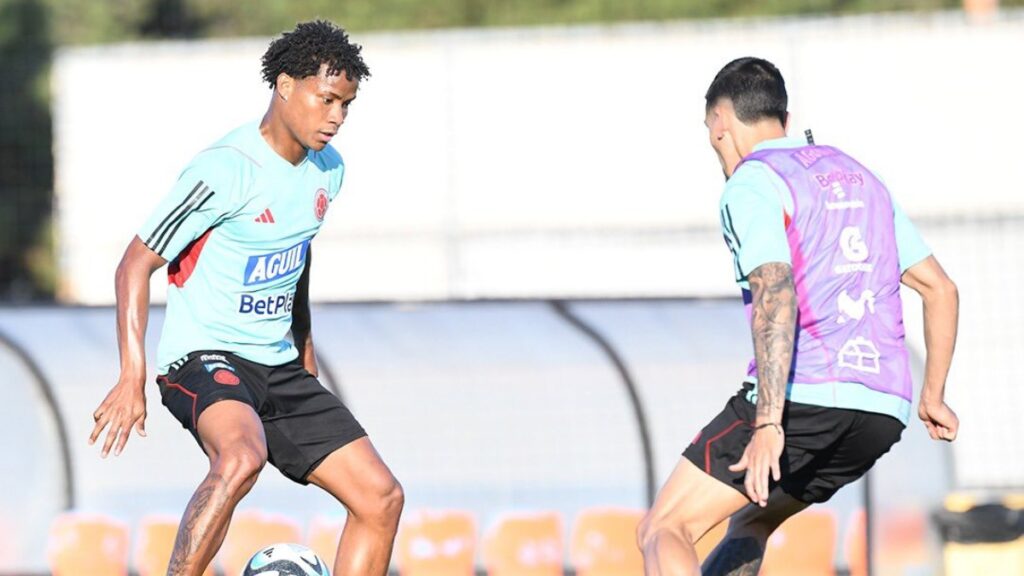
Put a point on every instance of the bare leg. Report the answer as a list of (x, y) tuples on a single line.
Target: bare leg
[(233, 437), (689, 504), (359, 479), (741, 551)]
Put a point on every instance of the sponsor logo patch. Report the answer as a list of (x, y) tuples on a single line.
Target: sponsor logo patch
[(272, 305), (827, 180), (809, 156), (860, 354), (267, 267), (850, 309)]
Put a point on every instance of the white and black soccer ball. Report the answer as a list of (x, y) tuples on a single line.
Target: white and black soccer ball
[(285, 560)]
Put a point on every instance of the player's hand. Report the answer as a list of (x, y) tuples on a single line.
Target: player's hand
[(760, 459), (941, 422), (122, 409)]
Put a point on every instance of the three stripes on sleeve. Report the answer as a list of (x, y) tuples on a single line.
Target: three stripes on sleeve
[(161, 236)]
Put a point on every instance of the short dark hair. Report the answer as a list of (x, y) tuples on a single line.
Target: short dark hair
[(301, 52), (755, 87)]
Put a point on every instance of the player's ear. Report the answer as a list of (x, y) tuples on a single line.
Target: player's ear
[(285, 86), (725, 115)]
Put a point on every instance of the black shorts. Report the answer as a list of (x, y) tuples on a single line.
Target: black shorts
[(826, 448), (302, 420)]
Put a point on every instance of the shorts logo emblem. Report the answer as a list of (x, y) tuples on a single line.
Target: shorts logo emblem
[(226, 377)]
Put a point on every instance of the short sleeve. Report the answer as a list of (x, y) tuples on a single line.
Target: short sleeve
[(909, 244), (753, 224), (338, 178), (332, 163), (205, 193)]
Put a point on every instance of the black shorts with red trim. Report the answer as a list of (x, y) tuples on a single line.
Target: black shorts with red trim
[(826, 448), (303, 421)]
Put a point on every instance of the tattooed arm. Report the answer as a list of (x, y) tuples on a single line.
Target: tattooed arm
[(773, 326)]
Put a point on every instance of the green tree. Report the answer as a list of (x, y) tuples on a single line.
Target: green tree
[(26, 159)]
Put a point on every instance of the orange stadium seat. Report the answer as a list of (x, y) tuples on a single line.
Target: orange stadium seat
[(87, 545), (604, 543), (902, 542), (706, 544), (154, 542), (250, 531), (804, 545), (324, 533), (856, 543), (436, 543), (525, 545)]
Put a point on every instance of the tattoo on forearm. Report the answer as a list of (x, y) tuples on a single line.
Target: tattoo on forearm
[(773, 325), (735, 557), (197, 522)]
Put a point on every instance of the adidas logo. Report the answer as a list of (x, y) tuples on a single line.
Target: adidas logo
[(266, 218)]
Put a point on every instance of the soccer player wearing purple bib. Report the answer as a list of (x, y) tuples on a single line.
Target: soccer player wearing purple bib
[(235, 231), (819, 250)]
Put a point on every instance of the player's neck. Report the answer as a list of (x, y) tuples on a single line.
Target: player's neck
[(280, 139), (752, 135)]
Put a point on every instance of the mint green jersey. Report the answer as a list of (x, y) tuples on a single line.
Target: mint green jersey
[(236, 229)]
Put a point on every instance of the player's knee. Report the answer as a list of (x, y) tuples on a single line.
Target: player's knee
[(240, 465), (655, 528), (651, 530), (391, 502), (642, 529), (383, 506)]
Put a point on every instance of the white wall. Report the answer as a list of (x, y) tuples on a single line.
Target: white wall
[(573, 162), (541, 162)]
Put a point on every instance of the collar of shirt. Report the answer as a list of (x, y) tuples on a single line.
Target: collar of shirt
[(784, 142)]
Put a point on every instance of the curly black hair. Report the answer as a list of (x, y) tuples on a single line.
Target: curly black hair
[(301, 52)]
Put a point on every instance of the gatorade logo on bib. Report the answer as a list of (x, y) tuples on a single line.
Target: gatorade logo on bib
[(267, 267)]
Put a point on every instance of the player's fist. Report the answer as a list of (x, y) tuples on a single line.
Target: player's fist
[(941, 422)]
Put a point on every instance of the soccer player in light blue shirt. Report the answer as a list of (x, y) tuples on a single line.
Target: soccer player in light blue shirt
[(755, 201), (235, 231), (828, 391)]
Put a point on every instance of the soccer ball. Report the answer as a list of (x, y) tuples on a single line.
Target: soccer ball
[(285, 560)]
